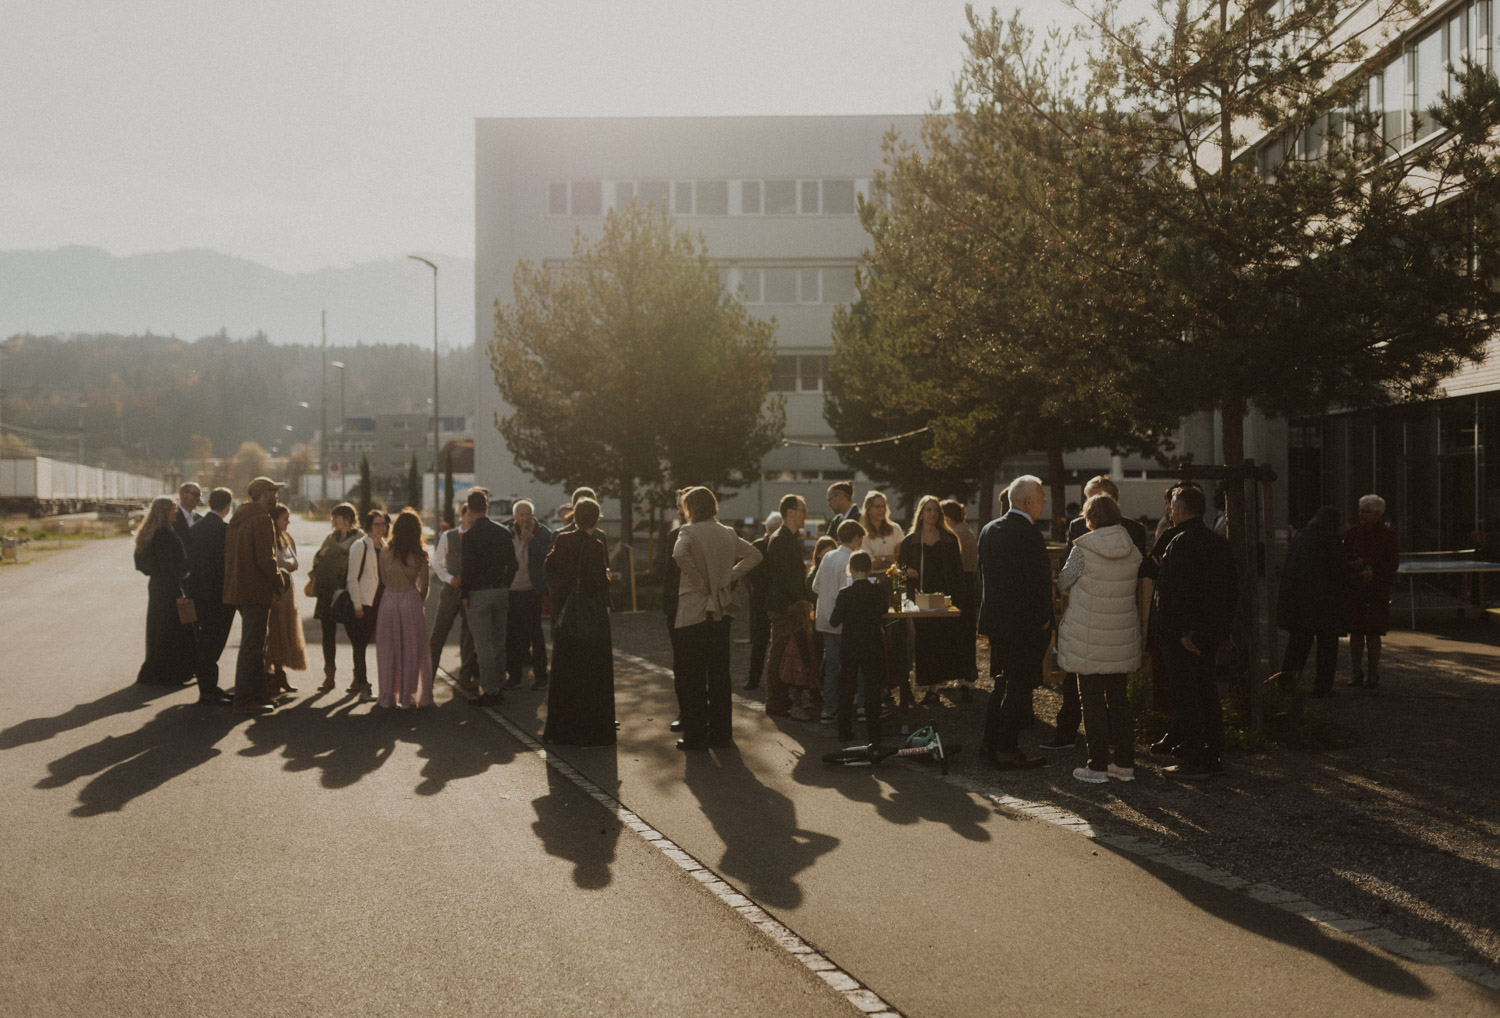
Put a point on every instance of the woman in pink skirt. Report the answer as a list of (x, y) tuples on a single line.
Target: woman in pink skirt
[(403, 658)]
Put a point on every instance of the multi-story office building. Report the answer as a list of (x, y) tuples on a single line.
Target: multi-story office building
[(775, 200), (1428, 460)]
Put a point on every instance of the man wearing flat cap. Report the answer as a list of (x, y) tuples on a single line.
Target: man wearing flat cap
[(251, 581)]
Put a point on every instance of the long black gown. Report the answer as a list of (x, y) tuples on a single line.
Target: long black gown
[(939, 646), (581, 694), (171, 655)]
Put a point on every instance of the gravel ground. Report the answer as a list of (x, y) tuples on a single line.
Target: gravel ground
[(1398, 825)]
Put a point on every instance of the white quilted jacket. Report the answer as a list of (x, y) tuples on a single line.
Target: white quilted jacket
[(1100, 632)]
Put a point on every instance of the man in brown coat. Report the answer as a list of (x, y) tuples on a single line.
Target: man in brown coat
[(251, 581)]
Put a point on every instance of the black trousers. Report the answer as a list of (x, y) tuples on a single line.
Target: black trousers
[(1016, 665), (1299, 642), (872, 675), (359, 632), (524, 640), (210, 634), (701, 675), (1070, 714), (250, 668), (1108, 723), (760, 642), (1196, 693)]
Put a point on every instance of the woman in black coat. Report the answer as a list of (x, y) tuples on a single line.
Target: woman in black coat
[(933, 565), (170, 651), (1313, 600), (581, 695)]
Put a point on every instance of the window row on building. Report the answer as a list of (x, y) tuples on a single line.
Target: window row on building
[(782, 476), (833, 196), (753, 284), (1402, 89), (804, 373)]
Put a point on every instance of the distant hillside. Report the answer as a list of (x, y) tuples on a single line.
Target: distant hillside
[(188, 294), (145, 397)]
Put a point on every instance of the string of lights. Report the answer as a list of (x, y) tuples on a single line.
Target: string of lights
[(856, 446)]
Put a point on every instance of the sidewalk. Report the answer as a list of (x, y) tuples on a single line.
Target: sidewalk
[(947, 905)]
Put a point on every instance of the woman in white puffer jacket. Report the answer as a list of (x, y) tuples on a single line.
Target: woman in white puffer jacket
[(1100, 637)]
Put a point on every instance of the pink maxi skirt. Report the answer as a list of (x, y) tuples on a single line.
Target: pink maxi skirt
[(403, 656)]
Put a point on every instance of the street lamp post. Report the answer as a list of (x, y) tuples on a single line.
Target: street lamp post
[(340, 429), (437, 439), (323, 414)]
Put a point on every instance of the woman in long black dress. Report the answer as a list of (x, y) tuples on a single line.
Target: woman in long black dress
[(581, 695), (932, 563), (170, 651)]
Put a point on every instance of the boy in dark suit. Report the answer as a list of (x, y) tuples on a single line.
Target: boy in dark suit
[(860, 609)]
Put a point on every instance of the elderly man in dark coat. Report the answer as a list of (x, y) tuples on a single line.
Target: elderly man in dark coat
[(1312, 603), (1015, 614)]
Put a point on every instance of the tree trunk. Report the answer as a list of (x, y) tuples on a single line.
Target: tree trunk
[(987, 472), (1059, 495), (1246, 628), (627, 509)]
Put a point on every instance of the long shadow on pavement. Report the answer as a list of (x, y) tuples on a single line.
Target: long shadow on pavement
[(126, 767), (567, 809), (1367, 964), (132, 697), (765, 848)]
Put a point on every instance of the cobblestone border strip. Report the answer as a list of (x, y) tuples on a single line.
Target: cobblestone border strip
[(866, 1000), (1376, 936)]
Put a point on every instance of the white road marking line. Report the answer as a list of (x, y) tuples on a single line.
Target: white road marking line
[(1130, 844), (864, 999)]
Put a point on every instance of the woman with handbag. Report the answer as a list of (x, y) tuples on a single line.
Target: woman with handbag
[(706, 552), (403, 658), (171, 654), (326, 583), (286, 647), (581, 695)]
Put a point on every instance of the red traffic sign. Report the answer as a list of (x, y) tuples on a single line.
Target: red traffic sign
[(333, 469)]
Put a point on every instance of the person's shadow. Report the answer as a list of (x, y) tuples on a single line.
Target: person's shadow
[(135, 696), (572, 825), (765, 848), (899, 794), (178, 739)]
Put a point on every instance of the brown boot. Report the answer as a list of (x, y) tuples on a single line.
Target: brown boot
[(327, 686)]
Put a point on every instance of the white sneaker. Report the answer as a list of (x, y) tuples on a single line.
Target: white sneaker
[(1092, 777), (1121, 773), (826, 719)]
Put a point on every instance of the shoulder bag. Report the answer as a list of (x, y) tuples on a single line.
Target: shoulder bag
[(342, 605)]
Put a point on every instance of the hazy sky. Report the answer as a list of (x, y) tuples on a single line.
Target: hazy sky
[(325, 132)]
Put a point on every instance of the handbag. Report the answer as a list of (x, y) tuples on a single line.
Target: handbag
[(341, 608), (187, 611), (583, 617)]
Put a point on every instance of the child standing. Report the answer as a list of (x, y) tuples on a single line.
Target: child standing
[(860, 610), (833, 576)]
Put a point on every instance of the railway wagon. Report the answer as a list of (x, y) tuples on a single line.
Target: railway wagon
[(40, 486)]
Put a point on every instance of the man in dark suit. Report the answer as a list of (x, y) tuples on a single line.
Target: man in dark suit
[(758, 580), (1192, 611), (488, 564), (786, 587), (188, 497), (1070, 714), (205, 585), (841, 506), (1015, 614)]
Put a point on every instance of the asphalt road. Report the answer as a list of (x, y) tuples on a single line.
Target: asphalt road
[(167, 859)]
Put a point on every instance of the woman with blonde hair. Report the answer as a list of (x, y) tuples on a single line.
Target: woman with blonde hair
[(931, 563), (711, 557), (286, 647), (581, 693), (882, 541), (403, 658), (170, 650)]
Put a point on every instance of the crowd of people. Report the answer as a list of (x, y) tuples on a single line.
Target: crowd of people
[(831, 642)]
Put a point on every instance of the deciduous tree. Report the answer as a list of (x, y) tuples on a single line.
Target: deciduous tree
[(629, 367)]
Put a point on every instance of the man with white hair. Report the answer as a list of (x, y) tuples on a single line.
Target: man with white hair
[(1015, 614), (758, 580), (188, 498)]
